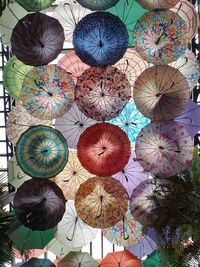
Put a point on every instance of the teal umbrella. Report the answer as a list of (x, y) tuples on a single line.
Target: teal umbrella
[(154, 260), (35, 5), (35, 262)]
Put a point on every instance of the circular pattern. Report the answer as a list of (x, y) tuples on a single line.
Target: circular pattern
[(97, 4)]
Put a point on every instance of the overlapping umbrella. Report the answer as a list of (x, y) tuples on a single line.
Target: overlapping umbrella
[(78, 259), (98, 4), (152, 260), (35, 5), (157, 4), (35, 262)]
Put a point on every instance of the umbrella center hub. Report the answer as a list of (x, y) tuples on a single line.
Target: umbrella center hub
[(161, 147), (81, 124), (158, 94), (102, 94), (100, 44), (74, 173)]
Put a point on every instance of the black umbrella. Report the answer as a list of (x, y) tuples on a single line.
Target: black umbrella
[(39, 204), (37, 39)]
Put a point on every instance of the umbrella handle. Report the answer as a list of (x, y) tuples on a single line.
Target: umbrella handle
[(73, 232), (126, 237)]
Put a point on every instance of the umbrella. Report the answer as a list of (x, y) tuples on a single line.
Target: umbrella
[(132, 174), (41, 152), (100, 39), (72, 124), (28, 254), (164, 148), (126, 232), (161, 92), (160, 37), (37, 39), (35, 5), (72, 231), (157, 4), (152, 260), (99, 148), (188, 13), (101, 94), (35, 262), (131, 121), (101, 201), (39, 204), (120, 258), (72, 176), (47, 92), (13, 76), (19, 120), (78, 259), (98, 4)]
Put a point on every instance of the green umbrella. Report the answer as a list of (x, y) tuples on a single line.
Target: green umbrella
[(13, 76), (154, 260), (35, 5), (78, 259), (35, 262)]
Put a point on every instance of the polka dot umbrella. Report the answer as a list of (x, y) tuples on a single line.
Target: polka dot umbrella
[(157, 4), (35, 5), (98, 4)]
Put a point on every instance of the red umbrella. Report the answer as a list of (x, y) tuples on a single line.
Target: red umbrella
[(103, 149)]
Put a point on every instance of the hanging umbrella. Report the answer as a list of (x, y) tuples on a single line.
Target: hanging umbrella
[(41, 152), (120, 258), (164, 148), (72, 231), (188, 13), (99, 148), (161, 92), (13, 76), (35, 5), (78, 259), (37, 39), (28, 254), (72, 124), (19, 120), (35, 262), (39, 204), (101, 94), (160, 37), (131, 121), (98, 4), (126, 232), (72, 176), (132, 174), (47, 92), (101, 201), (100, 39), (157, 4), (153, 260)]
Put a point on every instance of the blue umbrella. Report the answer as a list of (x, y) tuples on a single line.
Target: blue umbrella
[(98, 4), (35, 262), (100, 39)]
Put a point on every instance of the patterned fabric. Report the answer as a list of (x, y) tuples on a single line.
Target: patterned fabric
[(98, 4), (35, 5), (101, 201), (160, 37), (47, 92), (157, 4), (101, 94), (161, 92), (164, 148)]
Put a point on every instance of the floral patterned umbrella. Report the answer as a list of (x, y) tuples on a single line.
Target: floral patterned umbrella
[(47, 92), (101, 94), (101, 201), (78, 259), (98, 4), (35, 5), (161, 92), (160, 37), (157, 4), (164, 148)]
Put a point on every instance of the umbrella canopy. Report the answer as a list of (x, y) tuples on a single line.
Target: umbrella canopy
[(164, 148), (78, 259), (99, 148), (47, 92), (35, 262), (131, 121), (35, 5), (72, 231), (72, 124), (29, 254), (132, 174), (19, 120), (161, 92), (101, 94), (153, 260), (41, 152), (100, 39), (120, 258), (157, 4), (39, 204), (72, 176), (98, 4), (37, 39), (13, 76), (160, 37), (101, 201)]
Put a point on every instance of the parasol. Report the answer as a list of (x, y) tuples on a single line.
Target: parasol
[(99, 148), (39, 204), (161, 92), (28, 254), (152, 260), (164, 148), (100, 39), (47, 92), (72, 124), (72, 176), (35, 262), (78, 259), (157, 4), (132, 174), (98, 4), (37, 39), (13, 76), (19, 120), (35, 5), (101, 201), (101, 94), (160, 37), (131, 121), (41, 152), (72, 231)]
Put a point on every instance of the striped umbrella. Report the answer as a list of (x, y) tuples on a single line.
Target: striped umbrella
[(35, 5)]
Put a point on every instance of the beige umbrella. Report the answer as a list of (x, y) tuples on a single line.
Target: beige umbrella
[(78, 259), (157, 4)]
